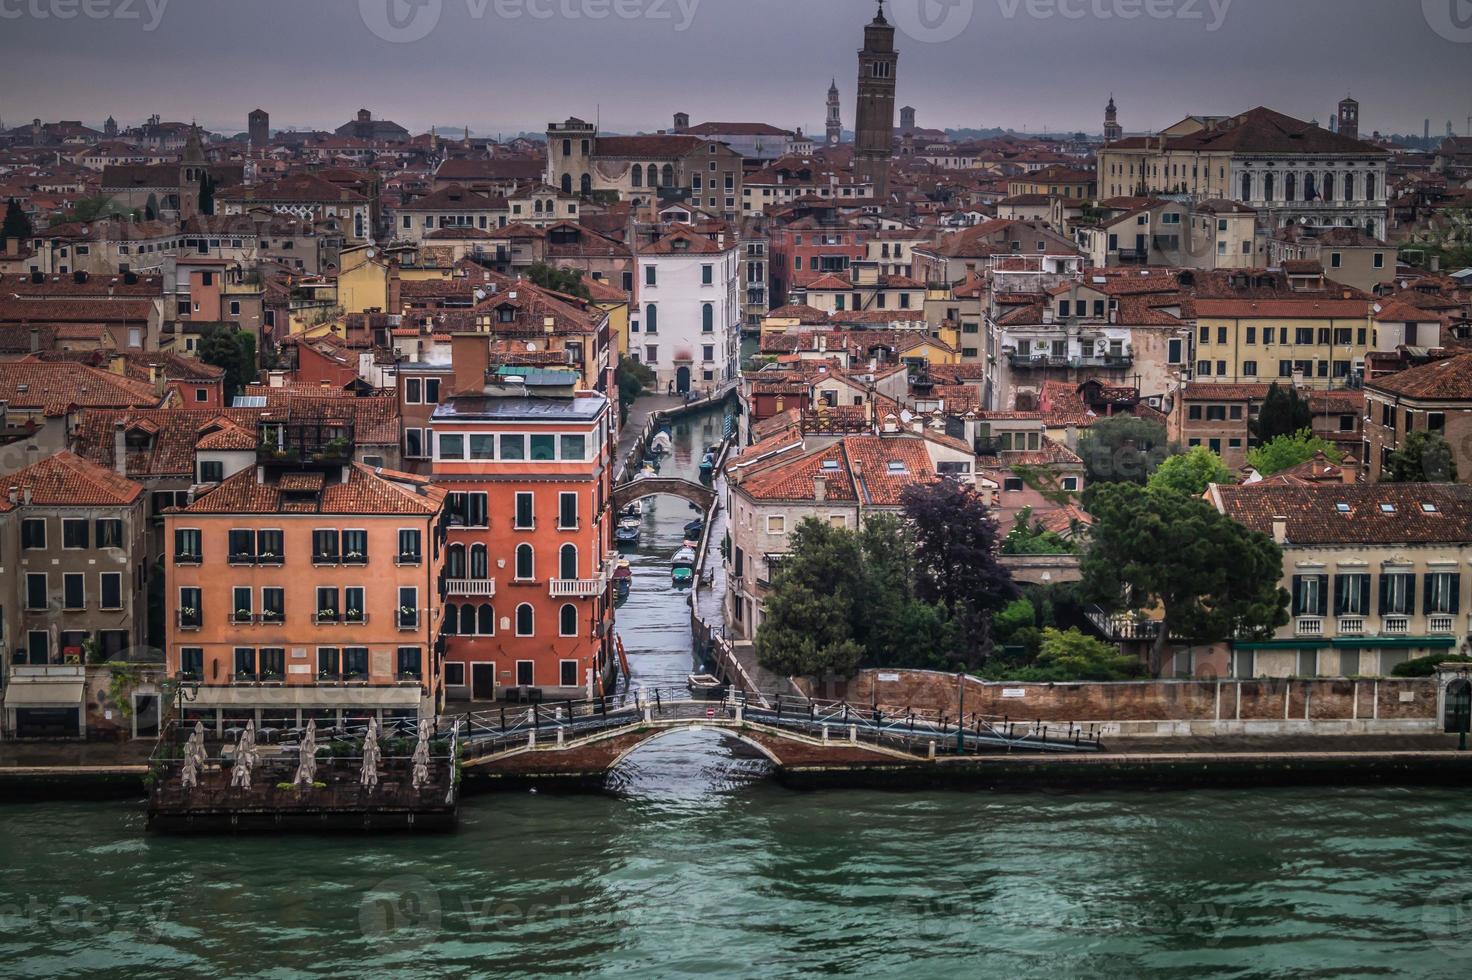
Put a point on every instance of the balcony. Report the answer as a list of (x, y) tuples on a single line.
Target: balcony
[(190, 619), (407, 620), (1043, 362), (1310, 626), (1441, 624), (318, 442), (241, 617), (1396, 626), (1132, 627), (470, 588), (576, 588), (1352, 626)]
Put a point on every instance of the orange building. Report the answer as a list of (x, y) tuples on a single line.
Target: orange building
[(307, 588), (526, 458)]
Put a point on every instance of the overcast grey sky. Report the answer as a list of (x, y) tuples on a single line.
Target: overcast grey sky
[(500, 66)]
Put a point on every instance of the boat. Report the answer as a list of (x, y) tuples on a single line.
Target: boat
[(682, 576), (623, 580), (632, 512), (707, 465), (703, 683), (684, 558), (661, 444), (627, 532), (695, 529), (648, 470)]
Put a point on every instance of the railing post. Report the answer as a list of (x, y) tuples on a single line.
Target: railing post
[(825, 734), (658, 702), (853, 734), (932, 748)]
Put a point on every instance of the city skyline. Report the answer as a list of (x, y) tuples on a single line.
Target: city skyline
[(504, 41)]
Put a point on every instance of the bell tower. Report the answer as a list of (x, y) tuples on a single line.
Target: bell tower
[(1112, 130), (1349, 118), (874, 129), (835, 115)]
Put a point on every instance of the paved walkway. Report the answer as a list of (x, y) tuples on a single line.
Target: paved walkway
[(69, 755)]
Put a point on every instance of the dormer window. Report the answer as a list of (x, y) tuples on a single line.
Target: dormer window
[(505, 314), (895, 468), (1428, 509), (1387, 508)]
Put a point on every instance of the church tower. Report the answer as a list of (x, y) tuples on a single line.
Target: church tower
[(192, 170), (835, 115), (1349, 118), (874, 129), (1112, 130)]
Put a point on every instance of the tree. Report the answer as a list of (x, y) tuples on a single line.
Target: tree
[(1191, 473), (1072, 655), (1284, 413), (1029, 537), (1423, 457), (235, 352), (634, 379), (1286, 452), (896, 627), (1123, 449), (956, 566), (807, 629), (207, 188), (90, 209), (568, 281), (17, 225), (1212, 578)]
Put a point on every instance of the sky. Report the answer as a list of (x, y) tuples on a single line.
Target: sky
[(504, 66)]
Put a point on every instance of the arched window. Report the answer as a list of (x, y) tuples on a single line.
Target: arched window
[(1328, 187), (1310, 188), (485, 621), (1290, 187), (455, 561), (567, 561), (653, 176), (567, 620), (452, 620), (651, 319), (526, 620), (667, 178), (1369, 187), (467, 619), (537, 206), (1348, 187), (587, 184), (707, 318), (638, 176), (1247, 187), (567, 183), (1268, 188), (525, 566), (480, 566)]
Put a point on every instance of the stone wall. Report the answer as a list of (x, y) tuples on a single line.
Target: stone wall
[(1188, 707)]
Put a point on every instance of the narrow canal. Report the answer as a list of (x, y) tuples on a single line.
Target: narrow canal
[(694, 865)]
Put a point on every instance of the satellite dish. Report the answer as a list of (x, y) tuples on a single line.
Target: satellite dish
[(371, 253)]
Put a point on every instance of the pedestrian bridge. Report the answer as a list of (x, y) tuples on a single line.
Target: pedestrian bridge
[(638, 488), (582, 741)]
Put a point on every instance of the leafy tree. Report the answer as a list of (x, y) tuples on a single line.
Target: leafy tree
[(807, 630), (235, 352), (1123, 449), (956, 566), (17, 225), (1029, 537), (569, 281), (1191, 473), (1212, 578), (1423, 457), (634, 379), (1019, 614), (1073, 655), (90, 209), (1284, 413), (1286, 452), (895, 626)]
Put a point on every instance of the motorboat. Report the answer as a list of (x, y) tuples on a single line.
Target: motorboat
[(661, 444), (684, 558), (682, 576), (695, 529), (623, 580), (627, 531), (704, 683)]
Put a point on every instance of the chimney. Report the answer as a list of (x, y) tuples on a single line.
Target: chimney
[(470, 356), (25, 496), (1436, 263), (14, 495), (120, 448), (1071, 437), (35, 340), (1280, 530), (820, 488)]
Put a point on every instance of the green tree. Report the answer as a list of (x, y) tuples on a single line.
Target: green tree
[(150, 208), (1286, 452), (90, 209), (17, 225), (1029, 537), (1284, 413), (808, 626), (956, 563), (1423, 457), (1123, 449), (235, 352), (1019, 614), (568, 281), (1191, 473), (1212, 578), (634, 379), (895, 626), (1072, 655)]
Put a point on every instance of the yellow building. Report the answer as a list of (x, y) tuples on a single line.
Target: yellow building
[(615, 303), (1258, 340), (364, 280)]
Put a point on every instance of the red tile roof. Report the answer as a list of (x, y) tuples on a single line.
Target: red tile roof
[(366, 493), (1313, 515), (53, 387), (68, 480), (1445, 380)]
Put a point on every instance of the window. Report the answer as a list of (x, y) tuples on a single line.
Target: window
[(513, 448), (191, 614), (36, 591), (707, 275), (1443, 594), (1397, 594), (326, 548), (525, 512), (525, 669), (525, 623), (482, 448), (33, 534), (1352, 595), (112, 590), (75, 534), (567, 561), (191, 663), (574, 448), (410, 664), (455, 672), (543, 448), (568, 671), (73, 591), (273, 604), (211, 471), (776, 524), (707, 318), (327, 609), (355, 547), (452, 447), (414, 443), (272, 664), (408, 617), (410, 552), (245, 663), (1310, 596), (525, 563), (1012, 484), (567, 511), (354, 663), (651, 277), (1249, 369), (567, 625)]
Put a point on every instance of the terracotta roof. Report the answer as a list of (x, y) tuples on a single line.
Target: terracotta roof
[(1283, 308), (1445, 380), (1314, 517), (68, 480), (173, 435), (55, 386), (365, 492), (685, 241)]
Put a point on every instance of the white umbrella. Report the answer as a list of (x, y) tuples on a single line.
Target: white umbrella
[(246, 757), (306, 771), (371, 756), (421, 757), (189, 777)]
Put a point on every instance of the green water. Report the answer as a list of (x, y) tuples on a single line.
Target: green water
[(698, 867)]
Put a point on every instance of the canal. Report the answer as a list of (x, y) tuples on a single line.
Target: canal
[(693, 864)]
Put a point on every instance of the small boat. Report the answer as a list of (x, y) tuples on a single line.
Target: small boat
[(661, 444), (684, 558), (623, 580), (653, 462), (695, 529), (689, 543), (632, 512), (682, 576), (707, 466), (648, 470), (701, 683), (627, 532)]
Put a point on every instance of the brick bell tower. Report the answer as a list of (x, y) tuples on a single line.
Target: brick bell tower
[(874, 127)]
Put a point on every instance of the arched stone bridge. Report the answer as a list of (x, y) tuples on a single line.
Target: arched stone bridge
[(649, 486)]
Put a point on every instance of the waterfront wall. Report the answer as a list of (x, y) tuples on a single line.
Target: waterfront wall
[(1160, 708)]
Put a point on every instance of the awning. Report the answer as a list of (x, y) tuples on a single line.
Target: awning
[(44, 692)]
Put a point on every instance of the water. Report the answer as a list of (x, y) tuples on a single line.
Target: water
[(695, 864)]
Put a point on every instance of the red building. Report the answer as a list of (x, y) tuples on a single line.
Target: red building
[(527, 459), (807, 249)]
